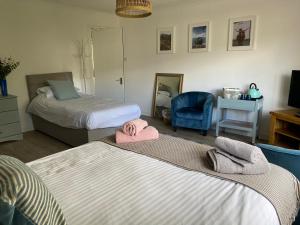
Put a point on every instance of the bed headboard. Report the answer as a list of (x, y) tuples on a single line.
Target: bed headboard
[(40, 80)]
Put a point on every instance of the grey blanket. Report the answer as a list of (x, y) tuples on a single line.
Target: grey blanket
[(278, 185)]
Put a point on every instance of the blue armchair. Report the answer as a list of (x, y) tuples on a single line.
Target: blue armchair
[(286, 158), (192, 110)]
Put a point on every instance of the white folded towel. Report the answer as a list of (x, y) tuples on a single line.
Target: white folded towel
[(237, 148)]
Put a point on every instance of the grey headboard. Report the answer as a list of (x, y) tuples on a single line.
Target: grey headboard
[(39, 80)]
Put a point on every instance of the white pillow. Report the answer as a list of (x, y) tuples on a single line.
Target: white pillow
[(47, 91)]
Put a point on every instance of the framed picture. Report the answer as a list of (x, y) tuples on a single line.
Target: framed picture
[(242, 33), (199, 35), (166, 40), (167, 86)]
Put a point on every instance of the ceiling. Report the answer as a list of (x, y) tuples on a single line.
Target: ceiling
[(108, 5)]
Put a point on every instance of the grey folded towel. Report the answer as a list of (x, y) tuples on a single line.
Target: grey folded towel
[(239, 161), (223, 162), (237, 148)]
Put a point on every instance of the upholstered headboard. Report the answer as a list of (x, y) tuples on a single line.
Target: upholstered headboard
[(40, 80)]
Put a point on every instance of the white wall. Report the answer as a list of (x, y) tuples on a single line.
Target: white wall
[(270, 65), (43, 36)]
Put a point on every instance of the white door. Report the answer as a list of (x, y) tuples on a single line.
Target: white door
[(108, 63)]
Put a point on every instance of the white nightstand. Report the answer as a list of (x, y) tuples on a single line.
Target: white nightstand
[(10, 128)]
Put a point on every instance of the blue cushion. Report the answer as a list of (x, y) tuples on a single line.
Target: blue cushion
[(279, 149), (10, 215), (63, 89), (190, 113), (24, 198), (286, 158)]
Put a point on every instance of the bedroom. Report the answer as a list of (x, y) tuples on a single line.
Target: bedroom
[(44, 35)]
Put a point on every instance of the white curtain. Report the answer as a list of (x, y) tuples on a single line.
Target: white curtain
[(88, 66)]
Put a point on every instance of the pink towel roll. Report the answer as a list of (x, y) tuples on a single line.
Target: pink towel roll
[(134, 127), (149, 133)]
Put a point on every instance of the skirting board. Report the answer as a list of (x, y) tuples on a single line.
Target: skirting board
[(73, 137)]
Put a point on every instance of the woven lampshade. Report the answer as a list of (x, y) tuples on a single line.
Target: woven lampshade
[(133, 8)]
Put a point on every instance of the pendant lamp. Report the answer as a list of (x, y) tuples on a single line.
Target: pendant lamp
[(133, 8)]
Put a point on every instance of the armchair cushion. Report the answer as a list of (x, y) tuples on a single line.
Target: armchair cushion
[(190, 113)]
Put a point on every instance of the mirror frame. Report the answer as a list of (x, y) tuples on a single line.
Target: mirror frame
[(180, 76)]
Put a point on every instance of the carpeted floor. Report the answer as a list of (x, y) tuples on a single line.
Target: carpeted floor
[(190, 134), (36, 145)]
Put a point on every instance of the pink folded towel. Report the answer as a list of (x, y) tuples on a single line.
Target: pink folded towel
[(134, 127), (149, 133)]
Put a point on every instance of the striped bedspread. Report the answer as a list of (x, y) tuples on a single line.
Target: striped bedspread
[(101, 184)]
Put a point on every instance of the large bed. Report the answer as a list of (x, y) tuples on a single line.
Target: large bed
[(75, 121), (99, 183)]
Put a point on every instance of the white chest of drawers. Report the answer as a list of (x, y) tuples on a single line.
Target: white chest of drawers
[(10, 128)]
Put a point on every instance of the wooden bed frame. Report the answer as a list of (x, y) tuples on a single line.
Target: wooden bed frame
[(73, 137)]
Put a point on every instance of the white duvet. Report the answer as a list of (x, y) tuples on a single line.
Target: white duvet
[(101, 184), (85, 112)]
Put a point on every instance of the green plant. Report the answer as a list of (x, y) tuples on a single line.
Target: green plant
[(7, 65)]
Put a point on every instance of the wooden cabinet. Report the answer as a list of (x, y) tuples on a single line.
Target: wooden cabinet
[(285, 129), (10, 128)]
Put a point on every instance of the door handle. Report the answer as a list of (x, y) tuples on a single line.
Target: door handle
[(120, 80)]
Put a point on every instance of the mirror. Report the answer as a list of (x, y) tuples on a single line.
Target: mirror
[(167, 86)]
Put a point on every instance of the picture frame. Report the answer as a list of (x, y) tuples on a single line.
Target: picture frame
[(166, 87), (199, 37), (166, 40), (242, 33)]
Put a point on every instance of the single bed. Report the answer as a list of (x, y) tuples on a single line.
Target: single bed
[(99, 183), (75, 121)]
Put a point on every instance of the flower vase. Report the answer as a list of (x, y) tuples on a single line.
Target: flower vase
[(3, 87)]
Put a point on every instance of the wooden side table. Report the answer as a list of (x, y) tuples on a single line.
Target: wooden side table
[(243, 105), (285, 129)]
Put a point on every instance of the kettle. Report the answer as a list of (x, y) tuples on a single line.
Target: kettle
[(254, 91)]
